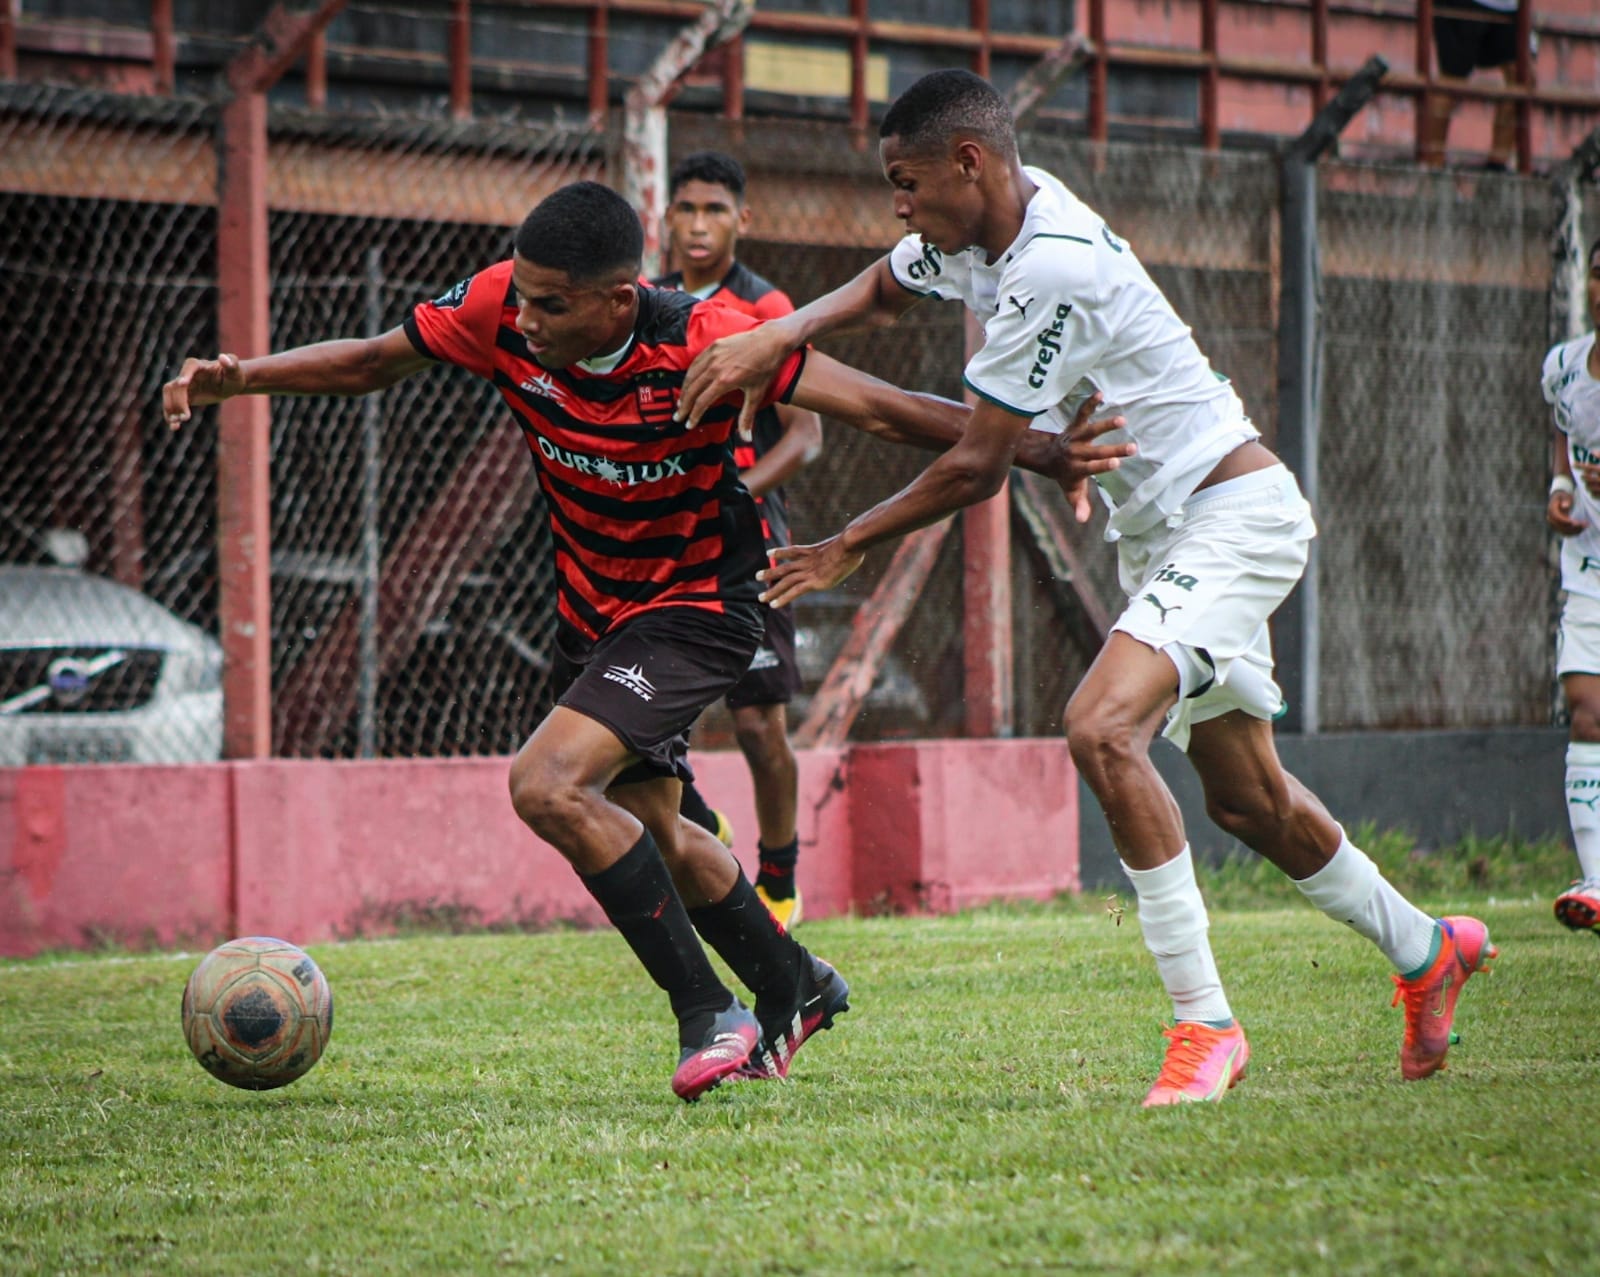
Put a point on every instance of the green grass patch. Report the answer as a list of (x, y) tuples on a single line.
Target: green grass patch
[(499, 1103)]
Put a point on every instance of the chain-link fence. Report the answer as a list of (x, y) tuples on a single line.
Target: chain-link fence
[(107, 252), (411, 574)]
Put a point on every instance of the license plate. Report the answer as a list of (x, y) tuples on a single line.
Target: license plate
[(80, 747)]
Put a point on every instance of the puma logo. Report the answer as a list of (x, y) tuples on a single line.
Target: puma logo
[(1161, 607), (1022, 307)]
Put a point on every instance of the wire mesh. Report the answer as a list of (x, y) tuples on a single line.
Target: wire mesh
[(106, 268), (411, 586)]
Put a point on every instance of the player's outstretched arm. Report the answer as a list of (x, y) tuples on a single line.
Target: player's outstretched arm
[(749, 361), (352, 366), (928, 421)]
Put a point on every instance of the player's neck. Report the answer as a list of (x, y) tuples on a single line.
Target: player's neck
[(697, 277), (1006, 209)]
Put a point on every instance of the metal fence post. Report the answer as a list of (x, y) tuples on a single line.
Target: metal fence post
[(1300, 378)]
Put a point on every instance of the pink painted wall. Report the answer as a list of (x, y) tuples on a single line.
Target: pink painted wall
[(314, 850)]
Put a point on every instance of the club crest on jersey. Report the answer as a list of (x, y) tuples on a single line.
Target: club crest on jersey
[(625, 474), (453, 299), (1049, 339), (931, 263), (656, 404)]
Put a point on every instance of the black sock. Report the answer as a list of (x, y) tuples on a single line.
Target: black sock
[(638, 896), (694, 807), (764, 956), (776, 876)]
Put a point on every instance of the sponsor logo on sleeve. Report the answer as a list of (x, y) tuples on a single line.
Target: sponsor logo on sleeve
[(453, 299), (1049, 342)]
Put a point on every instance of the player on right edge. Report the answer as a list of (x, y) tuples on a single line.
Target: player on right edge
[(1571, 385)]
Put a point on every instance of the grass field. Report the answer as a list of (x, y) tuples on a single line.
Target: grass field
[(499, 1103)]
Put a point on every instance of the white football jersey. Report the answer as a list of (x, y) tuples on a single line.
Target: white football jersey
[(1575, 396), (1068, 310)]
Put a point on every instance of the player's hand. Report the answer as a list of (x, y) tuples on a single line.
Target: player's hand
[(198, 383), (1588, 475), (746, 361), (801, 569), (1558, 514), (1075, 454)]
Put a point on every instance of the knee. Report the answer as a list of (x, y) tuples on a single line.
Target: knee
[(545, 796), (1252, 813), (762, 739), (1099, 740)]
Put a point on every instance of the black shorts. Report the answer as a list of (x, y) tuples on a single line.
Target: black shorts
[(1465, 44), (648, 679), (774, 674)]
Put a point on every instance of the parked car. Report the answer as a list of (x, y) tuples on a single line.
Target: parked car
[(92, 671)]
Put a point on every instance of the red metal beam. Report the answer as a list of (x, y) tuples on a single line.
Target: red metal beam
[(243, 444), (988, 663), (277, 46), (733, 78), (164, 52), (1525, 78), (10, 14), (1210, 78), (1098, 72), (1319, 54), (599, 66), (859, 110), (244, 521), (317, 72), (872, 634), (978, 13), (461, 59)]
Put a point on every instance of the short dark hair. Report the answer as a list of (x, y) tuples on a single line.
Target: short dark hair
[(585, 229), (716, 168), (943, 105)]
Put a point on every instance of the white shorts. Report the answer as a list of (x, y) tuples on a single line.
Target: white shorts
[(1201, 586), (1578, 637)]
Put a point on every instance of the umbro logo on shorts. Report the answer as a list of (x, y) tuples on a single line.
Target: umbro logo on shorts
[(632, 677)]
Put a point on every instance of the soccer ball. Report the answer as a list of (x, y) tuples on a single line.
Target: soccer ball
[(257, 1013)]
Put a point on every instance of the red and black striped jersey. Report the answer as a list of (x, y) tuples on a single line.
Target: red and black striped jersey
[(643, 513), (744, 290)]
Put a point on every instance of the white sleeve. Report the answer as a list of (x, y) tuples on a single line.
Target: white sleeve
[(1551, 378), (922, 269), (1048, 330)]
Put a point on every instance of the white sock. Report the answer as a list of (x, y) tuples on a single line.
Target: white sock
[(1350, 889), (1583, 796), (1172, 917)]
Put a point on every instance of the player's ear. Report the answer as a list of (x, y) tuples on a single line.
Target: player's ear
[(969, 158), (624, 294), (742, 222)]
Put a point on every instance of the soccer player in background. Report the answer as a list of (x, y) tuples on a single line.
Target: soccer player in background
[(657, 546), (1211, 533), (1571, 384), (706, 214)]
